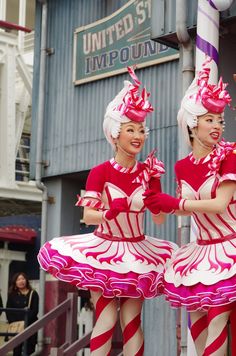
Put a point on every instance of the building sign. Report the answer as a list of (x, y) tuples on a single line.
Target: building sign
[(106, 47)]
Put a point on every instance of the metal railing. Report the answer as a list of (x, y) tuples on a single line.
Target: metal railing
[(69, 350), (8, 334), (68, 306), (71, 345)]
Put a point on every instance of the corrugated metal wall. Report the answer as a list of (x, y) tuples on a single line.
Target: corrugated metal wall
[(74, 115), (69, 110), (164, 22), (73, 136)]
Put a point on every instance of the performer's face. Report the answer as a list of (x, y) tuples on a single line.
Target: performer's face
[(209, 129), (132, 137)]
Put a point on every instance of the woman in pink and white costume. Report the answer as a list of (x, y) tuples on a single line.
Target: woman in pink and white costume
[(116, 262), (201, 275)]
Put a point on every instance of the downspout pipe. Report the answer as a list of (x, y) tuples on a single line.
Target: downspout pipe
[(186, 42), (186, 57), (187, 61), (39, 161)]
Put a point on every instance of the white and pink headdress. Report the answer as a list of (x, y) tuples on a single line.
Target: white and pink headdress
[(128, 105), (201, 98)]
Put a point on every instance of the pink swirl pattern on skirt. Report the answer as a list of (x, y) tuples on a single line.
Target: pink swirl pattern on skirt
[(198, 297), (116, 268), (111, 284), (202, 276)]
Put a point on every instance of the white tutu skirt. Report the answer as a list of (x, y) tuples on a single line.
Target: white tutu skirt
[(123, 268), (200, 276)]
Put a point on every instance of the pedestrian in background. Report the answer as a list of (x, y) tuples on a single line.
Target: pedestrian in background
[(22, 295)]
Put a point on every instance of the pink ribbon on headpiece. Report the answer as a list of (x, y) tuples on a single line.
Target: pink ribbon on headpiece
[(213, 97), (133, 75), (222, 150), (135, 106), (152, 167)]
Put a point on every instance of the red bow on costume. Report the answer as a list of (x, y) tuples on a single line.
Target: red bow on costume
[(152, 167), (222, 150), (89, 202)]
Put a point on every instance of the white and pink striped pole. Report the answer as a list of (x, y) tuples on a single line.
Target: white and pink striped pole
[(207, 41)]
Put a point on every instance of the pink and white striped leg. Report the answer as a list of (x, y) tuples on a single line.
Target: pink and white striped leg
[(233, 329), (106, 317), (199, 330), (216, 344), (130, 320)]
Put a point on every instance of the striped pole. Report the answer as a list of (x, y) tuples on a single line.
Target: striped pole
[(207, 41)]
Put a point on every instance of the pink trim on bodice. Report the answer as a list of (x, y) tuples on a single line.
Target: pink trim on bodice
[(210, 225), (115, 238), (216, 241)]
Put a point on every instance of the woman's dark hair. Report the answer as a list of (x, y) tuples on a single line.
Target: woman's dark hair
[(13, 288), (190, 134)]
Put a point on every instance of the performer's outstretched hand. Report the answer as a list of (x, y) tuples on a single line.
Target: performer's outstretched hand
[(151, 201), (157, 202), (117, 206)]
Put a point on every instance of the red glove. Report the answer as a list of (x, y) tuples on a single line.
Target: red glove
[(157, 202), (117, 206), (150, 201)]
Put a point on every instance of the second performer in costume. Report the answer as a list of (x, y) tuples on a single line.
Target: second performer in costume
[(202, 274)]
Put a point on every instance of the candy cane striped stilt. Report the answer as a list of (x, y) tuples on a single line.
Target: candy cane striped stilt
[(130, 315), (233, 330), (130, 330), (199, 330), (106, 317), (216, 343)]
